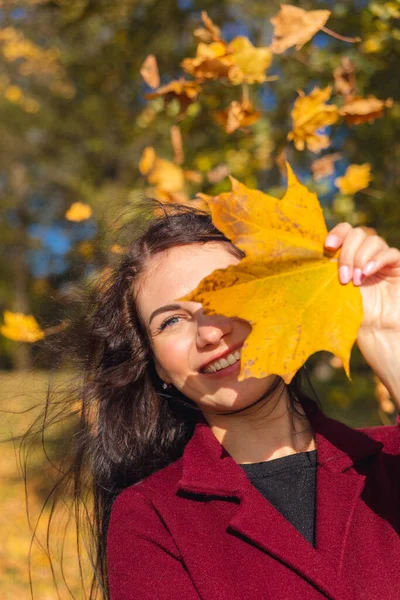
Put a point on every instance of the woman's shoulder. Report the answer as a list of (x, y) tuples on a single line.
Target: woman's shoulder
[(388, 435), (161, 484)]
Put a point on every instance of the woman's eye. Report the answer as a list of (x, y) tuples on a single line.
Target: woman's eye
[(167, 322)]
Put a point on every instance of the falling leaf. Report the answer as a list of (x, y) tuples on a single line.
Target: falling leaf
[(78, 212), (149, 71), (368, 109), (344, 75), (210, 32), (324, 166), (309, 114), (21, 328), (177, 144), (193, 176), (356, 178), (186, 92), (218, 173), (285, 287), (250, 62), (211, 61), (239, 61), (147, 160), (294, 26), (161, 173), (238, 114)]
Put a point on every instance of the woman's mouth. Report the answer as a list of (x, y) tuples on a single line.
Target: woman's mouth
[(224, 366)]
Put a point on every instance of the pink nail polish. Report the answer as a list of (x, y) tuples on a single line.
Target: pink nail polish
[(357, 276), (332, 241), (344, 274)]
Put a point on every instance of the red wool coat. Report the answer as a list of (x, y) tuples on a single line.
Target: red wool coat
[(198, 529)]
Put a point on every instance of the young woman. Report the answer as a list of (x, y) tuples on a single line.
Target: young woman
[(207, 487)]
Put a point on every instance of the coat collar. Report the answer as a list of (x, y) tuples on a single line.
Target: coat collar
[(209, 469)]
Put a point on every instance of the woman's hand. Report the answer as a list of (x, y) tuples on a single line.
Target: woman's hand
[(367, 261)]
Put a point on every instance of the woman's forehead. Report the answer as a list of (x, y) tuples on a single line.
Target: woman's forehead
[(177, 271)]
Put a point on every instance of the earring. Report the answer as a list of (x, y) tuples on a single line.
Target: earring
[(165, 385)]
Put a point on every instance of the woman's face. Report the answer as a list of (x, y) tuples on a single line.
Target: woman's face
[(185, 341)]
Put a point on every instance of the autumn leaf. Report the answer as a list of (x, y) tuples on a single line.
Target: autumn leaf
[(324, 166), (238, 114), (356, 178), (239, 61), (360, 110), (177, 144), (211, 61), (294, 26), (161, 173), (21, 328), (186, 92), (344, 76), (78, 212), (250, 62), (149, 71), (309, 114), (285, 287)]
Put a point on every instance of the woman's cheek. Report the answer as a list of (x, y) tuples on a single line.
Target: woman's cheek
[(173, 353)]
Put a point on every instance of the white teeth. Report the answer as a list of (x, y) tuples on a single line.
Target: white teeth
[(231, 359), (221, 363)]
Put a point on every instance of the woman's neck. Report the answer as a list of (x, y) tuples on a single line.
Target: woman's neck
[(264, 432)]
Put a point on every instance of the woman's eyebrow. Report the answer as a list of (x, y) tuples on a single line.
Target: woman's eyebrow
[(162, 309)]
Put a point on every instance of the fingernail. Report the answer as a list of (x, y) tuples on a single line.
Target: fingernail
[(369, 267), (332, 241), (357, 273), (344, 274)]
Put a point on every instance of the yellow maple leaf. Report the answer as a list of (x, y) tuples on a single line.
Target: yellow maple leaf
[(285, 287), (238, 114), (250, 62), (309, 114), (78, 211), (360, 110), (294, 26), (239, 61), (356, 178), (212, 61), (20, 327), (161, 173)]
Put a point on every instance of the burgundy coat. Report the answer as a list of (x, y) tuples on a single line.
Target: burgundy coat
[(198, 529)]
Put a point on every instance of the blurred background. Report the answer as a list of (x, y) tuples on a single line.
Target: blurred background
[(88, 126)]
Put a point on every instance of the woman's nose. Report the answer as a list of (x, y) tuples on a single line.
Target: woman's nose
[(211, 328)]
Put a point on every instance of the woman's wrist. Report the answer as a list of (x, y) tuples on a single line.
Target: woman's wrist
[(381, 350)]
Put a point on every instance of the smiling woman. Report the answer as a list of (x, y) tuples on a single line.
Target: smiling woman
[(209, 487)]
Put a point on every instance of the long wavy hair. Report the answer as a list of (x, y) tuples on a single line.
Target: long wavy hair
[(126, 427)]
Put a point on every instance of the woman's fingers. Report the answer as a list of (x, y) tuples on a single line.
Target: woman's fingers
[(359, 252)]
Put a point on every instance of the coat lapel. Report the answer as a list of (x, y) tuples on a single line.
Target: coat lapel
[(209, 469)]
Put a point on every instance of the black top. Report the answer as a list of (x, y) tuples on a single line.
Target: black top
[(289, 484)]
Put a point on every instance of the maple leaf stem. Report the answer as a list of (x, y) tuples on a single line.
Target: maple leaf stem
[(342, 38)]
